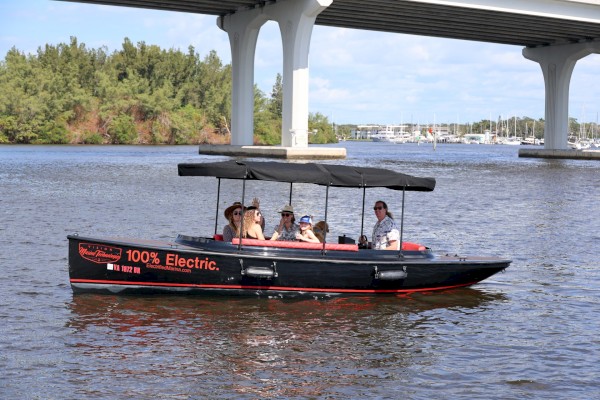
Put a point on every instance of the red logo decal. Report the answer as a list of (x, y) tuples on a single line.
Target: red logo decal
[(99, 253)]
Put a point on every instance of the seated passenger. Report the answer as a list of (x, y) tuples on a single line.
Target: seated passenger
[(386, 235), (233, 213), (251, 225), (320, 229), (306, 234), (256, 205), (287, 228)]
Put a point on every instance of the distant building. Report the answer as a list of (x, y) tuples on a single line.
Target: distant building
[(365, 131)]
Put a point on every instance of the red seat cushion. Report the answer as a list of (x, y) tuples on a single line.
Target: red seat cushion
[(406, 246), (296, 245)]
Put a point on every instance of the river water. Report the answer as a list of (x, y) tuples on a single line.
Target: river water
[(530, 332)]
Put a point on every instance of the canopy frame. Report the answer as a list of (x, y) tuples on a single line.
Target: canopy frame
[(320, 174)]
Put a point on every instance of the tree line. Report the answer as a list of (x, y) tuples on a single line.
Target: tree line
[(140, 94)]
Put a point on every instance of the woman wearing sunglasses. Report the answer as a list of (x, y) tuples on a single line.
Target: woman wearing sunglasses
[(233, 213), (386, 235), (287, 228)]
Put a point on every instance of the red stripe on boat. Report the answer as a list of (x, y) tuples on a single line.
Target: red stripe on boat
[(277, 288)]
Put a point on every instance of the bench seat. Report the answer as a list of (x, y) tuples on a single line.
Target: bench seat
[(406, 246), (296, 245)]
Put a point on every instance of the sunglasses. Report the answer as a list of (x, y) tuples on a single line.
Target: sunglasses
[(378, 208), (237, 213), (286, 215)]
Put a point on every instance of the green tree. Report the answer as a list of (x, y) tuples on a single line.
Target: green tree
[(187, 126), (573, 126), (8, 128), (22, 96), (320, 129), (215, 89), (122, 130), (267, 126), (276, 103)]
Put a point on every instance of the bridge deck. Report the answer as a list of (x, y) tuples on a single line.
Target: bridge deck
[(524, 23)]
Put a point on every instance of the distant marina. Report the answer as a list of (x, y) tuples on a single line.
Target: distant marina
[(409, 133)]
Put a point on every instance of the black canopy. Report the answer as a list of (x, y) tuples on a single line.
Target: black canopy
[(319, 174)]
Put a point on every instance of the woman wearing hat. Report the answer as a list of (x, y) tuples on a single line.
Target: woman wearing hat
[(233, 213), (287, 228), (306, 233)]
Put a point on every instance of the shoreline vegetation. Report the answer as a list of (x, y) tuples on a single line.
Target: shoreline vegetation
[(140, 94)]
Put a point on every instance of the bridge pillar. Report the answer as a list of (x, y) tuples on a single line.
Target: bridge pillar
[(557, 63), (296, 19), (242, 29)]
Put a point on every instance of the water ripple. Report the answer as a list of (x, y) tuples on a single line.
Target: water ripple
[(530, 332)]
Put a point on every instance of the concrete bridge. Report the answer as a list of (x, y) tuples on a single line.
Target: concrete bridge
[(554, 33)]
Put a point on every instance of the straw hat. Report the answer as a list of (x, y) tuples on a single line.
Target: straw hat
[(287, 209), (229, 210)]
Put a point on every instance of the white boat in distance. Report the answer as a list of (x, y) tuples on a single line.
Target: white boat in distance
[(576, 143), (389, 133), (512, 141), (529, 141)]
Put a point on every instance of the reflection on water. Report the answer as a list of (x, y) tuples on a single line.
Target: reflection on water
[(258, 347), (125, 313)]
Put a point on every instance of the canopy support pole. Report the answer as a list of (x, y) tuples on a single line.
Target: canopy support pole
[(402, 222), (217, 212), (325, 228), (243, 211), (291, 187), (362, 219)]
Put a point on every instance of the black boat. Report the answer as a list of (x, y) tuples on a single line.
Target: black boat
[(208, 265)]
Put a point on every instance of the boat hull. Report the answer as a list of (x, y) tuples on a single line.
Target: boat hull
[(192, 265)]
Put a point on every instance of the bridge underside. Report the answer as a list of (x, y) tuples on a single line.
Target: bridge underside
[(528, 23)]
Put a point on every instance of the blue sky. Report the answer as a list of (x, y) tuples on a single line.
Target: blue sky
[(357, 77)]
